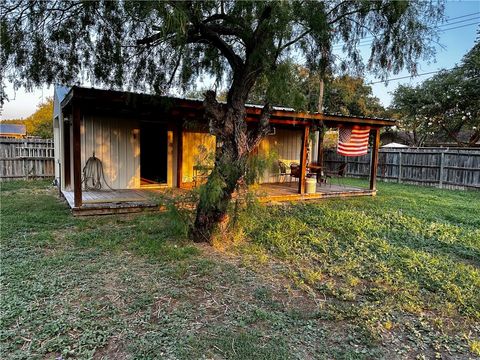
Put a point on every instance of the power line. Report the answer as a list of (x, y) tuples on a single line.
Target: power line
[(460, 21), (368, 41), (409, 76), (447, 23), (459, 17), (461, 26)]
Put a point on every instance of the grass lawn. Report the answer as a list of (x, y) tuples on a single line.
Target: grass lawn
[(394, 276)]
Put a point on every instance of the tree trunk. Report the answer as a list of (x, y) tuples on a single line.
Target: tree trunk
[(234, 144), (216, 195)]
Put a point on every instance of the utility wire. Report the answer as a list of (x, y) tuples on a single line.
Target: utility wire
[(408, 76), (366, 40)]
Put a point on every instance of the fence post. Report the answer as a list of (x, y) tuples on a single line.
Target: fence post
[(399, 180), (442, 159)]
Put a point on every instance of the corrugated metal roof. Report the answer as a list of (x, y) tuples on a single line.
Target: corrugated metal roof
[(13, 129), (288, 111), (61, 92)]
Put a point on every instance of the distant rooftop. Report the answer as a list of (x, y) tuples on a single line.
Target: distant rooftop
[(13, 129)]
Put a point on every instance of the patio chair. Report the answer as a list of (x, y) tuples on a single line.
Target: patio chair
[(295, 171), (338, 174), (282, 168)]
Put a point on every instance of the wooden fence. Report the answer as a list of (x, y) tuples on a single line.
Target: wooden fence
[(26, 159), (441, 167)]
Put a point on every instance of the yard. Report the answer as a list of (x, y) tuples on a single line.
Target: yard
[(394, 276)]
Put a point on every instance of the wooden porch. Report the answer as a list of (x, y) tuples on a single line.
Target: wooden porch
[(282, 192), (105, 202)]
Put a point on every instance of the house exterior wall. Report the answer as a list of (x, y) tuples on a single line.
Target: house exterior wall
[(116, 143), (198, 147), (286, 144), (57, 126)]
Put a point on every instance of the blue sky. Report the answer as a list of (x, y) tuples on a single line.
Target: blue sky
[(456, 42)]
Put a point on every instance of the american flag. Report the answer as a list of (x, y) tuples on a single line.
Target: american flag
[(353, 141)]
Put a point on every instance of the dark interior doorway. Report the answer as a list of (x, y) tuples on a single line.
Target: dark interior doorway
[(153, 153)]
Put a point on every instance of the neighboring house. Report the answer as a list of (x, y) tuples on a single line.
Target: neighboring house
[(146, 141), (395, 145), (16, 131)]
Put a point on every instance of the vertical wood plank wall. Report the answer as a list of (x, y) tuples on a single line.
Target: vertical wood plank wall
[(196, 145), (116, 142), (287, 145)]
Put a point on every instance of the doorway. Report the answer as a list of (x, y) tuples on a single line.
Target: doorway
[(153, 154)]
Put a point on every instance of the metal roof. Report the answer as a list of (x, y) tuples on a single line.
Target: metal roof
[(277, 111), (61, 91), (17, 129)]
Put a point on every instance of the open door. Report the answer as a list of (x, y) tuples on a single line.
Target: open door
[(153, 154)]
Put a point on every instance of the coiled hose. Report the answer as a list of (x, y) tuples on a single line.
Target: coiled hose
[(93, 174)]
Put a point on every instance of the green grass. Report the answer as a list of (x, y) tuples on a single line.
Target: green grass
[(395, 276)]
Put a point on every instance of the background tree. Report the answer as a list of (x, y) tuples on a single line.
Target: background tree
[(155, 45), (444, 107), (408, 102), (40, 123), (299, 89)]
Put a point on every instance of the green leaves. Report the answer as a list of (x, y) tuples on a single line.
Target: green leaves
[(156, 45), (445, 107)]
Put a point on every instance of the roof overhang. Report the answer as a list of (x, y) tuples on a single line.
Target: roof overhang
[(150, 106)]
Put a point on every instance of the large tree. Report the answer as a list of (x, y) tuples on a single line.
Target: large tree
[(299, 88), (444, 107), (155, 45)]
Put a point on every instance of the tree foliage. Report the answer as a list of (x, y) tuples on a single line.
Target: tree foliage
[(348, 95), (444, 107), (157, 45), (40, 123), (141, 44)]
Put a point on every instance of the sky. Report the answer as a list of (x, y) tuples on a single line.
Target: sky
[(457, 37)]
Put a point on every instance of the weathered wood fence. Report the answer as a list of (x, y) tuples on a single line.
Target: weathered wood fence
[(442, 167), (26, 159)]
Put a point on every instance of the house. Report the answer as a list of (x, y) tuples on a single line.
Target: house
[(394, 145), (138, 143), (16, 131)]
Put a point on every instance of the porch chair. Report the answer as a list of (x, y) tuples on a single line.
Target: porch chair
[(295, 171), (338, 174), (282, 168)]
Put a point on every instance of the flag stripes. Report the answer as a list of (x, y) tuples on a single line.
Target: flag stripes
[(353, 141)]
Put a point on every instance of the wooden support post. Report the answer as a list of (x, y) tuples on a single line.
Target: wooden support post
[(374, 162), (180, 156), (442, 160), (66, 156), (321, 135), (77, 167), (303, 160)]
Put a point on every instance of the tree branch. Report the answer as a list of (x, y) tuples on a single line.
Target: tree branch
[(298, 38), (262, 129), (215, 40)]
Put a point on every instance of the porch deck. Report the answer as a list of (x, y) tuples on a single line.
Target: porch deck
[(280, 192), (112, 201), (137, 200)]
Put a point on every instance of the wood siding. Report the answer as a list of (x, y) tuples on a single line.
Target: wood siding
[(196, 146), (286, 144), (116, 142)]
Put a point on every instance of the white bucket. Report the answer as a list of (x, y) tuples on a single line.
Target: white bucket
[(311, 185)]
